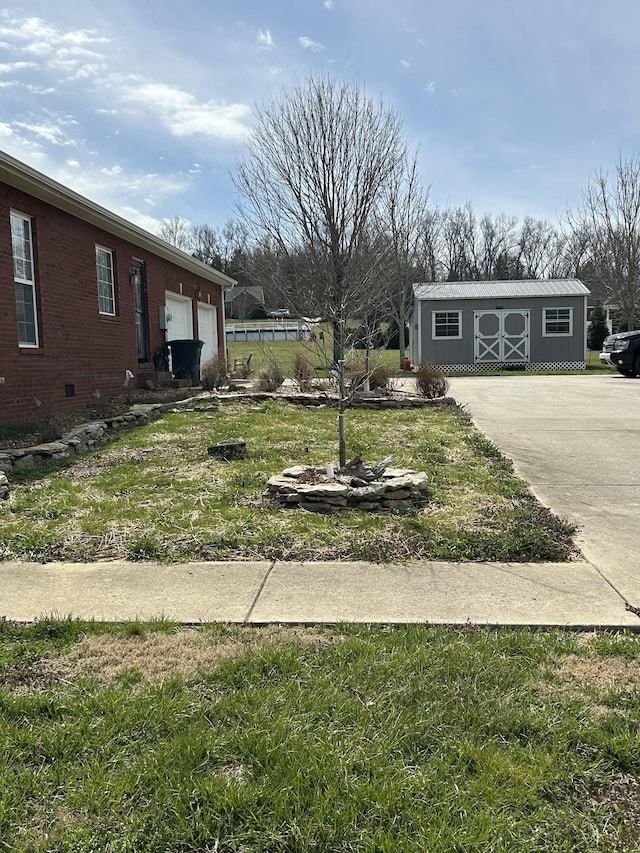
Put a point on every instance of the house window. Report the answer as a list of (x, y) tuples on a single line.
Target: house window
[(106, 293), (24, 279), (557, 322), (447, 324)]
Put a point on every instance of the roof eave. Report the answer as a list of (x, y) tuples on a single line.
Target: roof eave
[(28, 180)]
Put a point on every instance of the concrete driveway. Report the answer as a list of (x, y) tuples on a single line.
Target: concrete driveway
[(576, 440)]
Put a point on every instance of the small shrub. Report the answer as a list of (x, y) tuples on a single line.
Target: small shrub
[(213, 374), (431, 382), (378, 377), (302, 372), (271, 377)]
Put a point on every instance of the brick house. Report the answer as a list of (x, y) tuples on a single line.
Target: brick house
[(87, 299)]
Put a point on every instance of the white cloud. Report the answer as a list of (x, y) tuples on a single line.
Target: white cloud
[(431, 87), (119, 190), (40, 37), (264, 39), (405, 64), (47, 131), (309, 44), (73, 163), (328, 4), (142, 220), (10, 67), (183, 115), (72, 51)]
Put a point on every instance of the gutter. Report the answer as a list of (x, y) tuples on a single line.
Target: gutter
[(22, 177)]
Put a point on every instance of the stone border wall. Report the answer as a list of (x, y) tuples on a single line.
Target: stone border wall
[(372, 401), (77, 441)]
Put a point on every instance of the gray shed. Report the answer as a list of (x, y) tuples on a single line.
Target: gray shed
[(470, 326)]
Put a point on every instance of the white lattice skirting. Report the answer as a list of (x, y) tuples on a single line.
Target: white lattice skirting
[(497, 366)]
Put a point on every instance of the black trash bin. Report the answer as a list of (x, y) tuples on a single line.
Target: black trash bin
[(185, 359)]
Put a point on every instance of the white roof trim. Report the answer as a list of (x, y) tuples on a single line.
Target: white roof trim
[(28, 180)]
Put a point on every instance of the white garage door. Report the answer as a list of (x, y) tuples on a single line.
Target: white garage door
[(179, 317), (208, 331)]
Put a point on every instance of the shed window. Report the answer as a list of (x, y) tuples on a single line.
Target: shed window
[(106, 292), (24, 279), (447, 324), (557, 322)]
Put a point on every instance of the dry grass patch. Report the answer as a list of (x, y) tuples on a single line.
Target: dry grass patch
[(603, 674), (154, 657), (93, 466), (587, 677)]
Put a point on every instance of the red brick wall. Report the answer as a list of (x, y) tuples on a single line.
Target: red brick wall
[(77, 345)]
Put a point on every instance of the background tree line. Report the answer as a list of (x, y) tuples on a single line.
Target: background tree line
[(335, 220)]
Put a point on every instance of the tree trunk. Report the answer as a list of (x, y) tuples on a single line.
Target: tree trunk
[(367, 365), (401, 325)]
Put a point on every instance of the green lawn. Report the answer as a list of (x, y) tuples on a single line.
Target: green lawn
[(155, 493), (284, 354), (154, 738)]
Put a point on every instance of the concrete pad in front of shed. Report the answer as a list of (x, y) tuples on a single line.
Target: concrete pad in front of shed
[(567, 594), (124, 591)]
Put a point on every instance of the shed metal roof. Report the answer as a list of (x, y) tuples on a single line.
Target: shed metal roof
[(500, 289)]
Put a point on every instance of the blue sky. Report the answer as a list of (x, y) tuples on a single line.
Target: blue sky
[(145, 106)]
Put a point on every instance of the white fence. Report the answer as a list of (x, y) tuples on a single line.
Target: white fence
[(264, 331)]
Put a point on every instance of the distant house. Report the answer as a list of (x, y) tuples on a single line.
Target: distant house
[(89, 300), (245, 302), (472, 326)]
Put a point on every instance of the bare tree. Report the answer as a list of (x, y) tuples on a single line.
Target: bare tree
[(609, 220), (404, 215), (206, 245), (459, 235), (176, 231), (536, 247), (494, 247), (317, 163)]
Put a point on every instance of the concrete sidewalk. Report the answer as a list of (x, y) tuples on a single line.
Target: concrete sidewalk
[(573, 595)]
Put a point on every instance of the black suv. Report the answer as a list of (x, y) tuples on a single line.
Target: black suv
[(622, 351)]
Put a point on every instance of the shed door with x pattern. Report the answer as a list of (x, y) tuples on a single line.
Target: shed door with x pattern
[(501, 336)]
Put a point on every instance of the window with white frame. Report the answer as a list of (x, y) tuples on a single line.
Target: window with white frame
[(106, 293), (446, 324), (24, 279), (557, 322)]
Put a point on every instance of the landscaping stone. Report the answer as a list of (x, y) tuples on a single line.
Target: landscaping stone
[(78, 440), (309, 488), (228, 450)]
